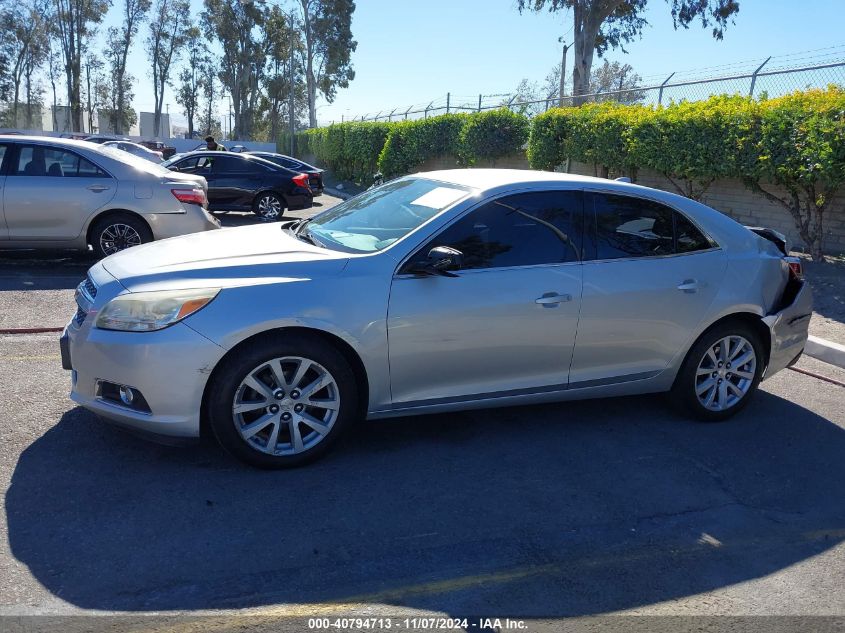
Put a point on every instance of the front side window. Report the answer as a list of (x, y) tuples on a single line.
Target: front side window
[(3, 152), (35, 160), (375, 219), (627, 226), (521, 230)]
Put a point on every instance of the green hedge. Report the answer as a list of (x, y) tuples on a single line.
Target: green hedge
[(355, 150), (796, 141), (411, 143)]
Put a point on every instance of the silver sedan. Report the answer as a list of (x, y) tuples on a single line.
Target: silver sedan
[(60, 193), (435, 292)]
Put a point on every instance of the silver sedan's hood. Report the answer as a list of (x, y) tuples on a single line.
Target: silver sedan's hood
[(248, 255)]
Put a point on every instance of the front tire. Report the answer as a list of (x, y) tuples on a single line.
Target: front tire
[(283, 401), (117, 232), (268, 206), (720, 373)]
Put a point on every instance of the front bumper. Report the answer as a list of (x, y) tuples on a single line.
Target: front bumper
[(789, 330), (169, 368)]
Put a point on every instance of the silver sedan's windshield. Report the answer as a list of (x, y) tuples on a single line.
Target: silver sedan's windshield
[(375, 219)]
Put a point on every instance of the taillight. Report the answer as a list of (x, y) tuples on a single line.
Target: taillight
[(796, 268), (191, 196), (302, 181)]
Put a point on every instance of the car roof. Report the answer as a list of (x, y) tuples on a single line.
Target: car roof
[(53, 140)]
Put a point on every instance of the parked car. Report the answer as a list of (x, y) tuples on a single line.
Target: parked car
[(241, 182), (435, 292), (136, 150), (62, 193), (100, 138), (315, 174), (166, 151)]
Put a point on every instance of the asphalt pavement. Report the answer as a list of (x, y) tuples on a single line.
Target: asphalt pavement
[(617, 506)]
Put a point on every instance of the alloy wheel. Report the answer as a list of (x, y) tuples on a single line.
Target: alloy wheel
[(286, 406), (725, 373), (117, 237), (269, 207)]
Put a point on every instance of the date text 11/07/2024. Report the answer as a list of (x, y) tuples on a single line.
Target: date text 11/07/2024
[(417, 624)]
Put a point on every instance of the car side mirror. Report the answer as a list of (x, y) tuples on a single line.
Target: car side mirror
[(441, 260), (173, 168)]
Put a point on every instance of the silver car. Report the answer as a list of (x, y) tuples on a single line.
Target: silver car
[(60, 193), (435, 292), (136, 150)]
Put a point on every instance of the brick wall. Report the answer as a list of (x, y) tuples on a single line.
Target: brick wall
[(728, 196)]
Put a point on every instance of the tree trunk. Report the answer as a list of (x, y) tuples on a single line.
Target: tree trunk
[(588, 18), (807, 215)]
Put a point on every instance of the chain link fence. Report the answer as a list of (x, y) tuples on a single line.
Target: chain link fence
[(751, 78)]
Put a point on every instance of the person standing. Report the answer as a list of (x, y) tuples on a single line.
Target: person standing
[(213, 145)]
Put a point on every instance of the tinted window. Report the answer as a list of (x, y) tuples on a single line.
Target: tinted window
[(232, 165), (34, 160), (195, 165), (2, 156), (687, 237), (631, 227), (521, 230)]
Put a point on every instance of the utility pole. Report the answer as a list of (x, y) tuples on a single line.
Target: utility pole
[(290, 87), (563, 71)]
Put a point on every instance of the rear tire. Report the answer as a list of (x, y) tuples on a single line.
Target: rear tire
[(720, 373), (118, 231), (282, 401), (268, 206)]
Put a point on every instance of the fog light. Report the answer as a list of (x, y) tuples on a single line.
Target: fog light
[(126, 395)]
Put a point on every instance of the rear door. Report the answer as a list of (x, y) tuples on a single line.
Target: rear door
[(649, 277), (50, 192), (5, 151)]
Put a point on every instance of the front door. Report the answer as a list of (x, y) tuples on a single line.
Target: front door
[(50, 193), (505, 323), (649, 278), (236, 181)]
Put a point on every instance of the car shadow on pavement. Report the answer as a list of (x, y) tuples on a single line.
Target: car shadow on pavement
[(568, 509)]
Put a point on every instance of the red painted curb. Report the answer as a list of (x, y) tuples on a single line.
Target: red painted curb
[(30, 330), (833, 381)]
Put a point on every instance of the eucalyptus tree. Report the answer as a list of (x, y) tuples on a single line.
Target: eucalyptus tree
[(599, 25), (167, 35)]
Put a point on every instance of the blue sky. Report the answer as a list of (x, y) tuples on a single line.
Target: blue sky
[(415, 51)]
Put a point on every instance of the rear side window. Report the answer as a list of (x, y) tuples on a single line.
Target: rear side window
[(688, 238), (521, 230), (232, 165), (35, 160), (626, 226)]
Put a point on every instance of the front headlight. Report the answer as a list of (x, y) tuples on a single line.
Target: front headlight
[(149, 311)]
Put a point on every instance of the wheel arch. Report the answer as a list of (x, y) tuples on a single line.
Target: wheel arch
[(358, 369), (755, 321), (110, 212)]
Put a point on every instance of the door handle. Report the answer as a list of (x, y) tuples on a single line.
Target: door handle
[(689, 286), (551, 299), (97, 188)]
